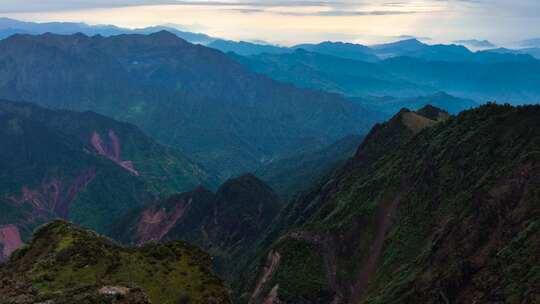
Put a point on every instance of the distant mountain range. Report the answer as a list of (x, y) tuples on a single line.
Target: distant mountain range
[(418, 70), (531, 43), (342, 50), (330, 73), (247, 48), (391, 105), (191, 97), (535, 51), (9, 27), (408, 47)]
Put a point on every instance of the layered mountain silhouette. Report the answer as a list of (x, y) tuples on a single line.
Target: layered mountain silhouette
[(535, 51), (391, 105), (187, 96), (80, 166), (136, 134), (331, 73), (419, 70), (9, 27), (342, 50), (245, 48), (432, 208)]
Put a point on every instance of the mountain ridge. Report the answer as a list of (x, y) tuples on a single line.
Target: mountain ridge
[(80, 166), (64, 263), (418, 223), (166, 86)]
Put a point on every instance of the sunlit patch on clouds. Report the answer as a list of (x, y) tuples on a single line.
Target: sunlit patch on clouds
[(289, 22)]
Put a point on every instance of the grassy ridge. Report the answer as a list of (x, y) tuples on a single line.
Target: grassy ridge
[(62, 258)]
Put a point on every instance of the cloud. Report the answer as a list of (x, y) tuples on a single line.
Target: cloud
[(15, 6), (329, 13), (405, 37), (335, 8)]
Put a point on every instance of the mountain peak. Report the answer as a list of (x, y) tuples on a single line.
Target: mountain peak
[(165, 36), (433, 113), (247, 182)]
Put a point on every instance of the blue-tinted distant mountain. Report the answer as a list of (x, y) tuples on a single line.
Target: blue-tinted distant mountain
[(480, 76), (197, 38), (515, 79), (476, 44), (343, 50), (535, 52), (439, 52), (187, 96), (399, 48), (247, 48), (392, 105), (530, 43), (9, 27), (333, 74)]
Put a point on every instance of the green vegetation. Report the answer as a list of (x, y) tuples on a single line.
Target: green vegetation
[(427, 212), (301, 277), (225, 223), (293, 175), (62, 258), (51, 168)]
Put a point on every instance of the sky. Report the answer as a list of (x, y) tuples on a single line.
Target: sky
[(503, 22)]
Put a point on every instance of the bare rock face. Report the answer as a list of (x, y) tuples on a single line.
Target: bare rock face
[(10, 240)]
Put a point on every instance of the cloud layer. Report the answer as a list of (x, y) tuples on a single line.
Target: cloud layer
[(303, 20)]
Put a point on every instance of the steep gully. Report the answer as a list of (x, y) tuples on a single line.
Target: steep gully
[(384, 220), (111, 150)]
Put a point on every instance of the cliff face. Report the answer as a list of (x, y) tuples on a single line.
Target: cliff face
[(66, 264), (426, 212)]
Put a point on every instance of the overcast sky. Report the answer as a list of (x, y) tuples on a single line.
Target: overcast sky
[(289, 22)]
